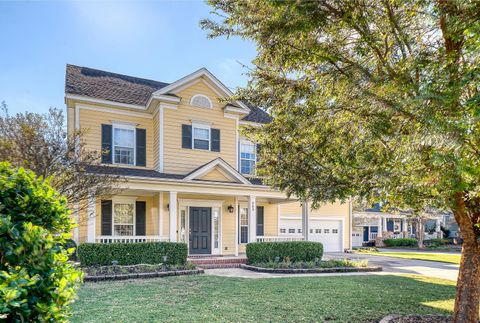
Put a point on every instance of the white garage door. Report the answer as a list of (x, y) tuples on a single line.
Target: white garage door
[(328, 232)]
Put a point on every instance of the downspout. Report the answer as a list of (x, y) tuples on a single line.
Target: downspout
[(350, 210)]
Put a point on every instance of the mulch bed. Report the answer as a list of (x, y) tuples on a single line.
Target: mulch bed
[(143, 275), (310, 270), (417, 319)]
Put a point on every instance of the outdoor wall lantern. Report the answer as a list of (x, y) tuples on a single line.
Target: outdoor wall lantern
[(230, 208)]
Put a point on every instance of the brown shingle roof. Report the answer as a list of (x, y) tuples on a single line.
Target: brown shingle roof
[(125, 89)]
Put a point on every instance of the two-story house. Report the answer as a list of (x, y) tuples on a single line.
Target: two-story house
[(190, 176)]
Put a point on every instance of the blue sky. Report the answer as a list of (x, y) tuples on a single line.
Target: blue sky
[(158, 40)]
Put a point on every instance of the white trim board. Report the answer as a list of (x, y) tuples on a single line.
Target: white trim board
[(222, 164)]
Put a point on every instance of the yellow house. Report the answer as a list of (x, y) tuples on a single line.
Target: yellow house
[(190, 176)]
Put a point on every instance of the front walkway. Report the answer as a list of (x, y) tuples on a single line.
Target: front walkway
[(391, 266)]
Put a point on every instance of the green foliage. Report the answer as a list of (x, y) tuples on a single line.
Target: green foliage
[(36, 281), (332, 263), (293, 251), (405, 242), (435, 243), (102, 254)]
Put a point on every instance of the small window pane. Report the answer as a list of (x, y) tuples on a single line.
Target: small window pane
[(200, 133), (291, 230), (123, 219), (124, 145), (283, 231), (326, 231), (200, 144)]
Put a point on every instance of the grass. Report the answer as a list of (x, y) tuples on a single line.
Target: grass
[(211, 298), (430, 256)]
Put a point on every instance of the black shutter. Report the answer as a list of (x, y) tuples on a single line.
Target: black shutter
[(215, 139), (140, 209), (106, 217), (390, 225), (141, 154), (186, 136), (260, 221), (106, 143)]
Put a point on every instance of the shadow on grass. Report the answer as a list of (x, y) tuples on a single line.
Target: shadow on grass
[(210, 298)]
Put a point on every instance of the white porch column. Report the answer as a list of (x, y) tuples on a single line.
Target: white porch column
[(384, 224), (404, 228), (305, 217), (77, 220), (252, 220), (160, 214), (437, 228), (92, 218), (173, 217), (236, 226), (380, 227)]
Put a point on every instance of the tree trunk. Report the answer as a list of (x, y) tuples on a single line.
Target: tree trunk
[(420, 232), (468, 283)]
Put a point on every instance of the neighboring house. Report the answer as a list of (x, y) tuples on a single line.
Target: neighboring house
[(190, 174), (370, 223)]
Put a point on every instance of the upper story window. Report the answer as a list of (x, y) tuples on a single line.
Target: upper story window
[(200, 100), (248, 157), (124, 144), (201, 136)]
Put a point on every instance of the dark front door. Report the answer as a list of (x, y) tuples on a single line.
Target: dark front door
[(200, 230), (365, 234)]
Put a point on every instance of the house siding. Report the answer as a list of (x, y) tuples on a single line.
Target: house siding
[(180, 160)]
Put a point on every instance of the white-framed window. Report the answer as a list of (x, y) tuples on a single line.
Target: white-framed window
[(334, 230), (243, 225), (283, 230), (291, 230), (326, 230), (123, 144), (248, 157), (202, 101), (201, 136), (183, 224), (124, 218)]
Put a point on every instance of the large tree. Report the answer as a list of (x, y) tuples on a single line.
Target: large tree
[(41, 143), (375, 99)]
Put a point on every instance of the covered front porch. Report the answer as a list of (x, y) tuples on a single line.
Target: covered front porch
[(211, 220), (368, 227)]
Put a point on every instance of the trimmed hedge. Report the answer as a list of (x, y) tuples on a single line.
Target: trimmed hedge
[(405, 242), (293, 250), (102, 254)]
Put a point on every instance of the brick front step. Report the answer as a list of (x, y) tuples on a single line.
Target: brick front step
[(218, 262), (217, 266)]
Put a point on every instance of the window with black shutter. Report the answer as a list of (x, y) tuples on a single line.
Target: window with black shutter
[(106, 216), (215, 146), (260, 221), (106, 143), (140, 218), (186, 136), (141, 152)]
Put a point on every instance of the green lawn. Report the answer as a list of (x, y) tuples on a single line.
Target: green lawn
[(209, 298), (441, 257)]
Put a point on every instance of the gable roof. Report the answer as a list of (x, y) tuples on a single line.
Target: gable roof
[(126, 89), (222, 164)]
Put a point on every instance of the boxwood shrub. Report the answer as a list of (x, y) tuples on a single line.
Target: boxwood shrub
[(293, 250), (102, 254), (404, 242)]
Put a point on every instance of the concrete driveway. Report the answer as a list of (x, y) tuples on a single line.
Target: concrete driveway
[(403, 266)]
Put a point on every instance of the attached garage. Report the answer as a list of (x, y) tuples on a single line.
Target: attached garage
[(327, 231)]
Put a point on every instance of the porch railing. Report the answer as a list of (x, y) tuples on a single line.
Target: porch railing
[(372, 236), (278, 238), (130, 239)]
